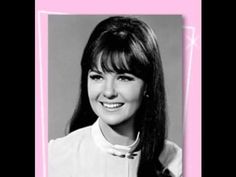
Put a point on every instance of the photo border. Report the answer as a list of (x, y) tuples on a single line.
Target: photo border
[(191, 12)]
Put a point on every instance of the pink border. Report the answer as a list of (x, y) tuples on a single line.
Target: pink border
[(191, 12)]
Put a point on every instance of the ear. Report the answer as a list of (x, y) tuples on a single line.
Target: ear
[(145, 90)]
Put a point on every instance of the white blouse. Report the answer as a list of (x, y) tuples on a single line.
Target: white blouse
[(86, 153)]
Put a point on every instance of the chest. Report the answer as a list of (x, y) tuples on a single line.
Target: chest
[(90, 161)]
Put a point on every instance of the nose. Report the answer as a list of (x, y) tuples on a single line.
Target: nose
[(109, 89)]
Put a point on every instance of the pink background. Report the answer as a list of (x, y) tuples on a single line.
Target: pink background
[(191, 12)]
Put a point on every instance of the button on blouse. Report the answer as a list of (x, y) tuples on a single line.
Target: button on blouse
[(86, 153)]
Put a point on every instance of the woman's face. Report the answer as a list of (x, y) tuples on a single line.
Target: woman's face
[(114, 97)]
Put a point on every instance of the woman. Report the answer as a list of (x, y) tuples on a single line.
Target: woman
[(119, 126)]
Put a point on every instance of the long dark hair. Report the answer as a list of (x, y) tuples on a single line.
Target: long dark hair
[(126, 44)]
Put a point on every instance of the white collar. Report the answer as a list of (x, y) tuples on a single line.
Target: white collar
[(117, 150)]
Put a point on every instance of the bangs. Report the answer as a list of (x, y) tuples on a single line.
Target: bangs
[(108, 61), (120, 56)]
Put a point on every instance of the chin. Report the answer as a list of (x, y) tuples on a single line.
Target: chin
[(111, 120), (114, 120)]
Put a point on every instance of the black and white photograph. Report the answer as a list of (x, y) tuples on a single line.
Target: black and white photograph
[(115, 96)]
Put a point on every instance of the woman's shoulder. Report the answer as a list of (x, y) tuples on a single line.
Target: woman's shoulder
[(62, 150), (71, 139), (171, 158), (66, 146)]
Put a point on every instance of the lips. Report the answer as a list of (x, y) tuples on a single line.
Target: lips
[(111, 106)]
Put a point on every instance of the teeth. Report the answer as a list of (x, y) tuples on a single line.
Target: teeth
[(115, 105)]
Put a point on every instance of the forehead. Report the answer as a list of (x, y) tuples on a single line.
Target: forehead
[(115, 62), (100, 70)]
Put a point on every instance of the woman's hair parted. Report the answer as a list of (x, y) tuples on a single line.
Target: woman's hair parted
[(128, 45)]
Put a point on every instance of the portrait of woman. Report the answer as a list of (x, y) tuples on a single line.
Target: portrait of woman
[(119, 125)]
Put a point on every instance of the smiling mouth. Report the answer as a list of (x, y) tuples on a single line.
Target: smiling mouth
[(112, 105)]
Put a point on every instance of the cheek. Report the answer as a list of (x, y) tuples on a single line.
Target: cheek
[(133, 93), (93, 90)]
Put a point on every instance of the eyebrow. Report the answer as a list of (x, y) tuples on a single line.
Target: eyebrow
[(96, 71), (101, 72)]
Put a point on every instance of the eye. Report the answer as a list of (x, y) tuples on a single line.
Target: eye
[(125, 78), (95, 77)]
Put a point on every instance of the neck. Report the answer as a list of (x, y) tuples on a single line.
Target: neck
[(122, 134)]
